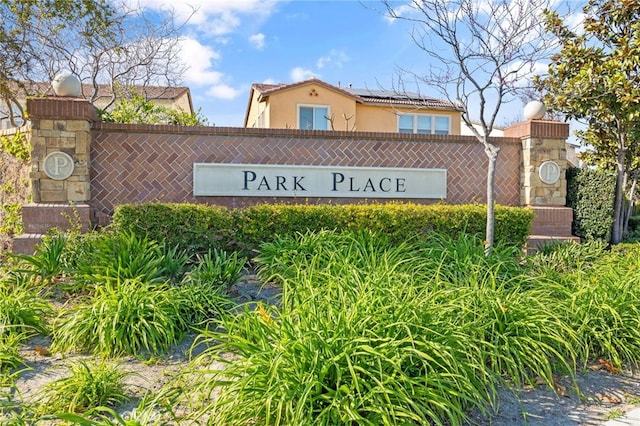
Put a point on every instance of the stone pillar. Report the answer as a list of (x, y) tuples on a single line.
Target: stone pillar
[(543, 184), (544, 161), (60, 167), (60, 139)]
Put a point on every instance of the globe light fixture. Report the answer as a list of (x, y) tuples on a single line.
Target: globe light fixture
[(65, 84)]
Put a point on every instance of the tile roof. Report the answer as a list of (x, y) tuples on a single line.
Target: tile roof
[(268, 89), (385, 97), (104, 90)]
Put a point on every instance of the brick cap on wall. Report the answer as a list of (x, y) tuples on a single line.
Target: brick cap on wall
[(538, 129), (291, 133), (61, 108)]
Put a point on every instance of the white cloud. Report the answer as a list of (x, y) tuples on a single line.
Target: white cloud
[(257, 40), (199, 60), (225, 23), (335, 57), (299, 74), (270, 81), (215, 17), (223, 91)]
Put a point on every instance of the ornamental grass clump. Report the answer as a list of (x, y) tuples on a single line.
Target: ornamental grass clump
[(130, 317), (218, 268), (9, 356), (116, 257), (356, 340), (558, 258), (201, 302), (47, 261), (492, 299), (86, 387), (22, 309), (603, 307)]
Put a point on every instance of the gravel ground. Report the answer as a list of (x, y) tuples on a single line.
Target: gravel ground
[(604, 396)]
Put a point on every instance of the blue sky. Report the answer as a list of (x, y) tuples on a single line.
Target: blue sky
[(230, 44), (346, 42)]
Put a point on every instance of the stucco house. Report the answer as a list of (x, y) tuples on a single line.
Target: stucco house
[(316, 105), (178, 98)]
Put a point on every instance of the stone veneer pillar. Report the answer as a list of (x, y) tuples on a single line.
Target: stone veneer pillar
[(60, 127), (543, 178)]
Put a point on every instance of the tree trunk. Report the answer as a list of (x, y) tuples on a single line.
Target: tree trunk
[(492, 154), (632, 195), (618, 210)]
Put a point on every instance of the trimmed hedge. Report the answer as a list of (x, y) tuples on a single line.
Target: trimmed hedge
[(197, 227), (591, 194)]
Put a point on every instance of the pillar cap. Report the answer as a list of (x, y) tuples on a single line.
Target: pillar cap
[(546, 129)]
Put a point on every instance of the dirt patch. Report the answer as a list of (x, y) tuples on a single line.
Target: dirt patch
[(602, 396)]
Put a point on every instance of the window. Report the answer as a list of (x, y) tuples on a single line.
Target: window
[(313, 117), (424, 124)]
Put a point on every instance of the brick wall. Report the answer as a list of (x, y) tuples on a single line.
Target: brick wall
[(141, 163)]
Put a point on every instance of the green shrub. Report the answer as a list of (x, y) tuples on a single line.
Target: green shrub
[(192, 227), (198, 228), (88, 385), (396, 220), (17, 146), (591, 195), (11, 215), (131, 317)]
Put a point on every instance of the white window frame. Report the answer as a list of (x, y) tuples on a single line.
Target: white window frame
[(415, 121), (314, 106)]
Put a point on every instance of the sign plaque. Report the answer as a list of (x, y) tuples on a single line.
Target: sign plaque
[(58, 165), (261, 180)]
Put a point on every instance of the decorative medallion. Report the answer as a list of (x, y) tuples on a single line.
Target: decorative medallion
[(58, 165), (549, 172)]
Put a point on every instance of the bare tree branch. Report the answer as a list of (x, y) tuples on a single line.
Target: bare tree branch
[(481, 52)]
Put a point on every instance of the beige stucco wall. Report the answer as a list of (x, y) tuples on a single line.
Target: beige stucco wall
[(255, 109), (283, 108), (375, 118)]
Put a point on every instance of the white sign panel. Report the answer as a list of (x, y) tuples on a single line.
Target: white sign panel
[(259, 180)]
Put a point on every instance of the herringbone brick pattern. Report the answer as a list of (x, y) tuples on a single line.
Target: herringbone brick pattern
[(132, 164)]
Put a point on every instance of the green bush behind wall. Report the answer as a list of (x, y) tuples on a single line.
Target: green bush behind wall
[(197, 227), (591, 195)]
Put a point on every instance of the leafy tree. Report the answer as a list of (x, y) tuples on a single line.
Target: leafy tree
[(596, 77), (483, 50), (602, 153), (99, 41), (135, 109)]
